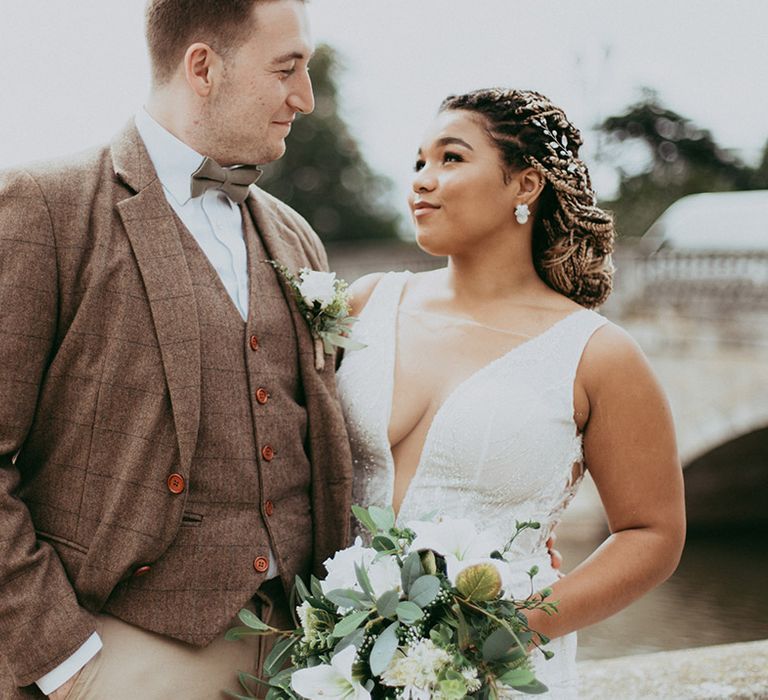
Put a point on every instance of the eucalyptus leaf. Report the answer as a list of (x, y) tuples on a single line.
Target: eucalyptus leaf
[(301, 590), (354, 639), (364, 581), (366, 520), (535, 687), (497, 644), (517, 676), (239, 632), (424, 590), (412, 570), (383, 649), (315, 587), (408, 612), (384, 543), (387, 603), (384, 518), (350, 623), (280, 653), (250, 619), (346, 598)]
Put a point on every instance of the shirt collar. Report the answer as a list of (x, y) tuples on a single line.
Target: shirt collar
[(174, 161)]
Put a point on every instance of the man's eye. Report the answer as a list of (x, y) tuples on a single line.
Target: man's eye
[(419, 165), (287, 72)]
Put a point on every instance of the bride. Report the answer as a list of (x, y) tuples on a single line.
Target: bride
[(487, 388)]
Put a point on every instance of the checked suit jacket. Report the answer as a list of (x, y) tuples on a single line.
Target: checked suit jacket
[(91, 264)]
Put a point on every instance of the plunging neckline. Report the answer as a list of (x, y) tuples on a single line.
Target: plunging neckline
[(391, 467)]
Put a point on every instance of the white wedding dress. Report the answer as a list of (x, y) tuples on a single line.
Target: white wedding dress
[(502, 447)]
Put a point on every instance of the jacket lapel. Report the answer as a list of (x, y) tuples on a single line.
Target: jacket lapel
[(154, 237), (283, 246)]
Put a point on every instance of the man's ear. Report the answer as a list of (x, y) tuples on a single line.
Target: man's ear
[(201, 63)]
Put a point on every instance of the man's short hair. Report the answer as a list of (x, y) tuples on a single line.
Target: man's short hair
[(172, 25)]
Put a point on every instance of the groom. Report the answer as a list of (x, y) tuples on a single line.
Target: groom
[(168, 451)]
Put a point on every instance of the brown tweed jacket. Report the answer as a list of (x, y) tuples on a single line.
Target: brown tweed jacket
[(89, 252)]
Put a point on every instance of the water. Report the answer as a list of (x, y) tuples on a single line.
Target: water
[(718, 595)]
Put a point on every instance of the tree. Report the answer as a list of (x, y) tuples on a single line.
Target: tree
[(323, 175), (682, 159)]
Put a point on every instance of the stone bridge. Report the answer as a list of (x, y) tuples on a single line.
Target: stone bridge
[(703, 322)]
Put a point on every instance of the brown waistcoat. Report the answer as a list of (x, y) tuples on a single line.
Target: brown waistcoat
[(248, 485)]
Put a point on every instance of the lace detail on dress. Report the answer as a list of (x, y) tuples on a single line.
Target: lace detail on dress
[(501, 447)]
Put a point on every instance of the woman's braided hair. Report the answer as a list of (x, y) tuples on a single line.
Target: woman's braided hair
[(572, 236)]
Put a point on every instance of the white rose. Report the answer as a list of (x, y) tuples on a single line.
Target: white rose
[(383, 573), (317, 286)]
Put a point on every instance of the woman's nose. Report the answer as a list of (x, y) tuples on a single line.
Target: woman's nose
[(424, 181)]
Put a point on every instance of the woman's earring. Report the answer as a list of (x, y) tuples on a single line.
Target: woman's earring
[(522, 213)]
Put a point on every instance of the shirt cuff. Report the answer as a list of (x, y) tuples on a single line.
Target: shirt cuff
[(53, 680)]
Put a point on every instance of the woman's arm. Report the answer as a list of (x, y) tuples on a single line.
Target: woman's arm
[(630, 450)]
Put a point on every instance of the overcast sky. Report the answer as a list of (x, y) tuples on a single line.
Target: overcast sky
[(75, 70)]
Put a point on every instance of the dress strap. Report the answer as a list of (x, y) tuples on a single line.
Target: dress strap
[(577, 331)]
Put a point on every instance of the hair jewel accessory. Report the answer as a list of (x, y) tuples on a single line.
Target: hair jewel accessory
[(522, 213), (558, 144)]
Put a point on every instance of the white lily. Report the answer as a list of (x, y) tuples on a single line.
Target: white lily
[(317, 286), (457, 538), (328, 682)]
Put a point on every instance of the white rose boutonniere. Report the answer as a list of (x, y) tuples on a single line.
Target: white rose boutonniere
[(323, 301), (317, 286)]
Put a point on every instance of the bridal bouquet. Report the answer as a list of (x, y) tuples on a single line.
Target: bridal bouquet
[(422, 612)]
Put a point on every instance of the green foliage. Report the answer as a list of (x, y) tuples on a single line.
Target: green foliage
[(683, 159), (323, 175)]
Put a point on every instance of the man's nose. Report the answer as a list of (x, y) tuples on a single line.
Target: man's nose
[(302, 99)]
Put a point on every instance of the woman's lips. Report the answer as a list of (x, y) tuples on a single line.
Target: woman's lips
[(423, 208)]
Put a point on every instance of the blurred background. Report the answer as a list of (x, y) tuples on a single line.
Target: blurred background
[(671, 99)]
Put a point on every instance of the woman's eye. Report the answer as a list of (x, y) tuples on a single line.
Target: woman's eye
[(419, 165), (449, 157)]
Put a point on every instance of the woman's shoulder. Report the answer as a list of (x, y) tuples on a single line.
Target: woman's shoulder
[(613, 356), (362, 289)]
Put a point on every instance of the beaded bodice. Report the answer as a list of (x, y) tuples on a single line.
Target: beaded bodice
[(502, 446)]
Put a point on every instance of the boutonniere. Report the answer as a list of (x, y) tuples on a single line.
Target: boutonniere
[(324, 303)]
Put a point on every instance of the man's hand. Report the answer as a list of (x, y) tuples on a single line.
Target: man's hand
[(63, 690), (554, 556)]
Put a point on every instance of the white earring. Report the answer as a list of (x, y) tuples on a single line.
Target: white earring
[(522, 213)]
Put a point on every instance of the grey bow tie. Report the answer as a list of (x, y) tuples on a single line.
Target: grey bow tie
[(233, 181)]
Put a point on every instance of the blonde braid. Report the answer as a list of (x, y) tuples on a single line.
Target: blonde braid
[(573, 237)]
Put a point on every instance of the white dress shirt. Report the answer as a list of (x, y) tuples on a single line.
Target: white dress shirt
[(217, 225)]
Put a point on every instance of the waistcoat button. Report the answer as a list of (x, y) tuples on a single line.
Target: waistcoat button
[(262, 395), (142, 570), (269, 507), (253, 342), (261, 564), (175, 483), (267, 453)]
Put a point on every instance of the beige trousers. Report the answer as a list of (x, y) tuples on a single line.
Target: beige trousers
[(138, 665)]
